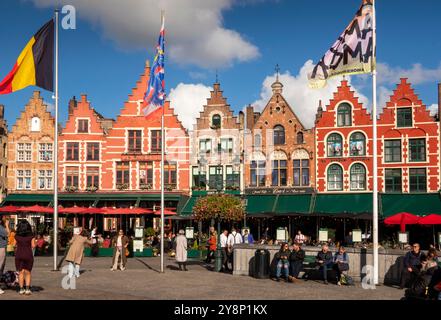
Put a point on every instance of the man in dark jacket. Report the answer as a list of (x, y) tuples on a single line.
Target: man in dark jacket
[(324, 261), (283, 261), (412, 264), (296, 261)]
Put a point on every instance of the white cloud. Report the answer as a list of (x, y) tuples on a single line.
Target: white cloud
[(188, 100), (195, 33), (417, 74), (303, 100), (433, 108)]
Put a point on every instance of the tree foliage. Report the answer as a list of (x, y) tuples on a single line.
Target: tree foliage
[(219, 207)]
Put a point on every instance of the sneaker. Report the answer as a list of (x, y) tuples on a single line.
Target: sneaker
[(28, 292), (278, 279), (1, 291), (22, 291), (123, 268), (325, 282), (339, 283)]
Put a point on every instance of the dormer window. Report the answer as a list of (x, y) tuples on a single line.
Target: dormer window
[(404, 117), (83, 126), (35, 124), (216, 121)]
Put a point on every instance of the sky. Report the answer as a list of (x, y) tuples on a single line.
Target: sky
[(240, 40)]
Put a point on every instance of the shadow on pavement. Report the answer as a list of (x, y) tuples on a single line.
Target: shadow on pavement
[(148, 267)]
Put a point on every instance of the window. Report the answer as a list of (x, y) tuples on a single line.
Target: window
[(417, 149), (279, 135), (45, 152), (204, 145), (155, 142), (393, 180), (199, 178), (72, 151), (358, 177), (5, 150), (232, 178), (146, 174), (93, 151), (417, 179), (216, 121), (93, 177), (83, 126), (170, 175), (24, 179), (44, 179), (24, 152), (357, 144), (299, 137), (257, 173), (135, 141), (279, 174), (72, 174), (257, 141), (301, 172), (392, 150), (35, 124), (335, 145), (404, 117), (227, 145), (215, 178), (122, 173), (344, 116), (335, 178)]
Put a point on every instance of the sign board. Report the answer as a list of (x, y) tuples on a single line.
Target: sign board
[(138, 245), (356, 235), (282, 234), (403, 237), (323, 235), (189, 232), (139, 232), (276, 191)]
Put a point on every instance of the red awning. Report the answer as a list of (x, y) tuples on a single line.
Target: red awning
[(74, 210), (402, 219), (37, 209), (166, 213), (94, 210), (430, 219), (9, 209), (127, 211)]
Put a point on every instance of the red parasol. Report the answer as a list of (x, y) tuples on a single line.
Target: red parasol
[(166, 213), (8, 209), (127, 211), (74, 209), (37, 209), (430, 219), (402, 219), (94, 210)]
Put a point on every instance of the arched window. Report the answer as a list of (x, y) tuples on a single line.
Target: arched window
[(279, 135), (216, 121), (299, 137), (344, 116), (335, 178), (257, 141), (358, 177), (335, 145), (357, 144)]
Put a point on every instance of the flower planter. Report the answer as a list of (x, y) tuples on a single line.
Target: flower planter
[(192, 253)]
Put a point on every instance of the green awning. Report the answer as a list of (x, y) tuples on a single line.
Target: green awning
[(30, 197), (187, 210), (343, 204), (415, 203), (293, 204), (259, 204)]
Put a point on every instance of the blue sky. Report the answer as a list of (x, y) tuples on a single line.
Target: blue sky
[(242, 39)]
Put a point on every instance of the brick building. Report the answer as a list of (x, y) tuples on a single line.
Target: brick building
[(3, 154)]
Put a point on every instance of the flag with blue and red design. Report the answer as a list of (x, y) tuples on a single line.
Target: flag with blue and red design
[(155, 94)]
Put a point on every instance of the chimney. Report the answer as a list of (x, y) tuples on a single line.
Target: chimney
[(318, 116), (250, 117), (72, 105), (241, 120), (2, 111)]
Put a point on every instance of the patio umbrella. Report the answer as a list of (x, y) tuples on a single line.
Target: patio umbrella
[(8, 209), (127, 211), (431, 219), (36, 209), (74, 210), (402, 219), (94, 210), (166, 213)]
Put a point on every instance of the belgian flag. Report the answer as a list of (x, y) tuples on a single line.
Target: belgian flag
[(35, 64)]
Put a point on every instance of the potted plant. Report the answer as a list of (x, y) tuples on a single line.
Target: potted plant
[(91, 188), (145, 186), (71, 188), (122, 186)]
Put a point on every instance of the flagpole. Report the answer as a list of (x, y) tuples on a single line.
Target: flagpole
[(374, 136), (162, 171), (55, 159)]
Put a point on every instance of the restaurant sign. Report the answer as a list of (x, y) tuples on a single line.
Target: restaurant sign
[(277, 191)]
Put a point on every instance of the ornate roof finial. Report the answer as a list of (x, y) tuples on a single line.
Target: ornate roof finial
[(277, 69), (217, 77)]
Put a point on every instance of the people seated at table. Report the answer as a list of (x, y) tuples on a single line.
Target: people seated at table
[(296, 259), (412, 265), (324, 261), (282, 258), (341, 263)]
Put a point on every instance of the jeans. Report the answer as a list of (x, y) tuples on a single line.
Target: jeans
[(325, 268), (74, 270), (282, 265), (2, 260), (295, 267), (118, 255), (225, 258)]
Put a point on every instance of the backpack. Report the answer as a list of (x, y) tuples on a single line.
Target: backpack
[(10, 279), (346, 280)]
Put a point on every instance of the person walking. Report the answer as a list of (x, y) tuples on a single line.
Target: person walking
[(24, 259), (4, 233), (76, 252), (224, 246), (212, 245), (120, 244), (181, 250), (95, 245), (233, 238)]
